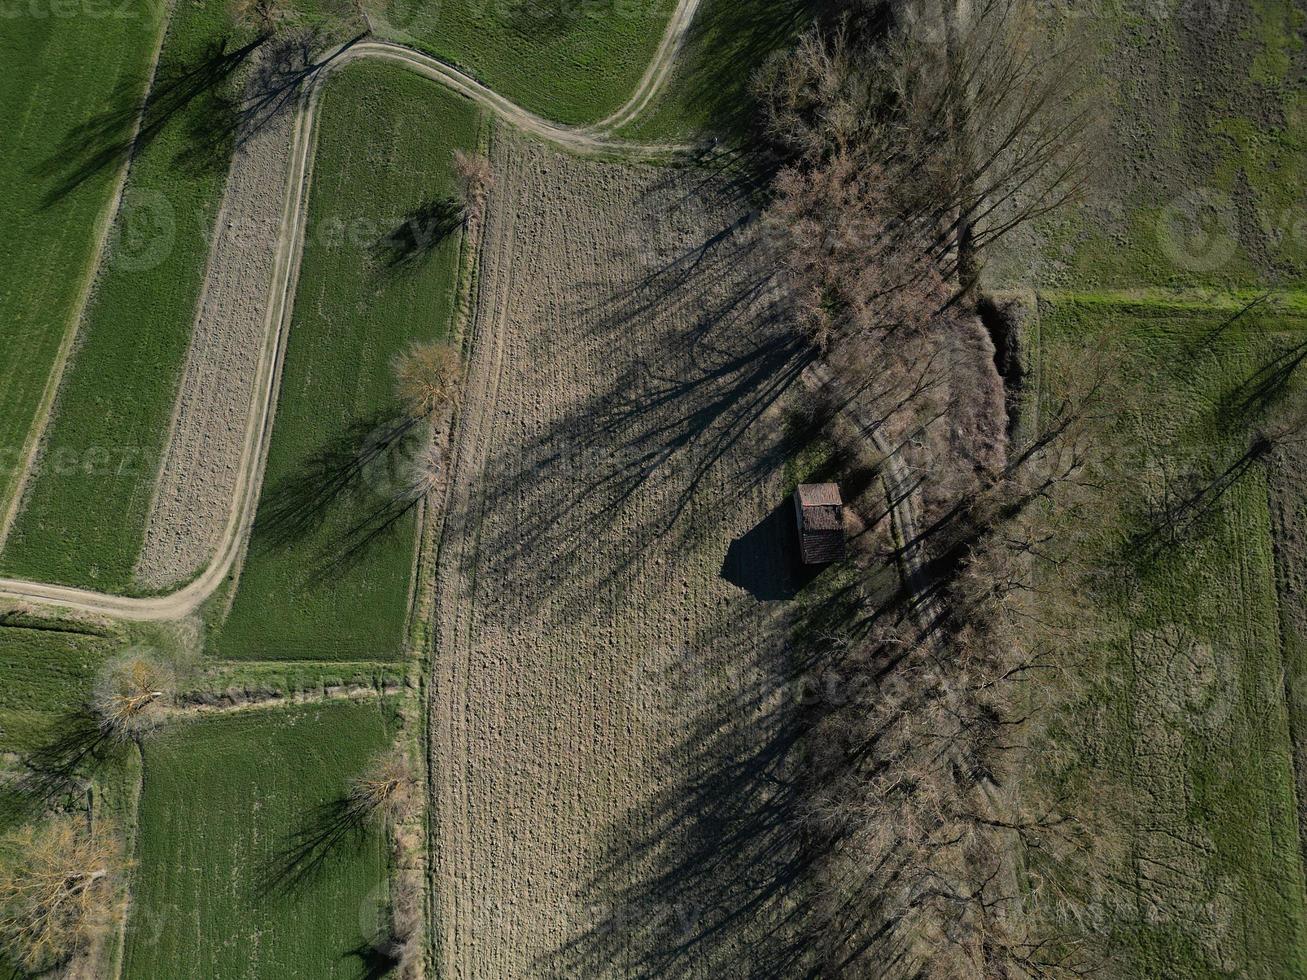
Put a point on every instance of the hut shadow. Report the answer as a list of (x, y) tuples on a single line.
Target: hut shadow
[(765, 561)]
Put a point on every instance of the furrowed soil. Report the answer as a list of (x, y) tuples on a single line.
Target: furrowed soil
[(198, 478), (610, 751)]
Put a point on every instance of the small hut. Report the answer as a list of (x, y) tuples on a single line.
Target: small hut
[(819, 511)]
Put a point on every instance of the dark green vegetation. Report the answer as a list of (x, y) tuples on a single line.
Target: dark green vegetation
[(570, 61), (1194, 716), (327, 576), (1201, 156), (245, 867), (708, 91), (61, 75), (86, 502), (48, 671)]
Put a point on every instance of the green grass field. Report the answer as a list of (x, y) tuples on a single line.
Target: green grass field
[(313, 586), (228, 803), (86, 503), (1200, 153), (573, 61), (708, 92), (48, 676), (61, 74), (1190, 717)]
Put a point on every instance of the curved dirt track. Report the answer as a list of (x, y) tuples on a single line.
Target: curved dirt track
[(185, 600)]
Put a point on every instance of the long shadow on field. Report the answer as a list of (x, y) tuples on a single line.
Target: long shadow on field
[(228, 120), (329, 829), (696, 350), (107, 140), (421, 231), (347, 497), (61, 765), (724, 41), (716, 874)]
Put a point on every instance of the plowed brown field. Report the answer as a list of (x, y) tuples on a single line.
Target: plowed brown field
[(610, 748)]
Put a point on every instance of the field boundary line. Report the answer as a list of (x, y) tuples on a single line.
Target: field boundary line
[(103, 226), (188, 598)]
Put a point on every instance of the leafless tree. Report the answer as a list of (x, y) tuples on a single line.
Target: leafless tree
[(385, 790), (60, 889), (132, 694), (426, 378), (475, 179)]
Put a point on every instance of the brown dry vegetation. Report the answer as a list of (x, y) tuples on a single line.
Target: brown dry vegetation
[(60, 890), (904, 134)]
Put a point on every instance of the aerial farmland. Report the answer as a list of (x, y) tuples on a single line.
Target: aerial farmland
[(653, 488)]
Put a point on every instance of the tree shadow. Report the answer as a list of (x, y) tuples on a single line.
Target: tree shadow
[(716, 872), (665, 416), (726, 44), (1265, 387), (378, 957), (228, 120), (1187, 506), (60, 766), (351, 496), (107, 140), (363, 462), (418, 235), (329, 829)]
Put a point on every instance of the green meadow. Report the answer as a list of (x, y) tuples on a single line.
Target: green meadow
[(243, 865), (573, 61), (63, 78), (329, 565), (1189, 716)]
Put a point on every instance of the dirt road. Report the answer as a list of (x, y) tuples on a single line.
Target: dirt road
[(183, 601)]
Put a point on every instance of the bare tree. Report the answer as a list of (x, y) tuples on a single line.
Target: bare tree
[(264, 15), (475, 177), (384, 791), (426, 378), (132, 694), (60, 888)]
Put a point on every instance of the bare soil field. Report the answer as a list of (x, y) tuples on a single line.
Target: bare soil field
[(201, 468), (611, 753)]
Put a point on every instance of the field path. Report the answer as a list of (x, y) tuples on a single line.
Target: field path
[(183, 601)]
